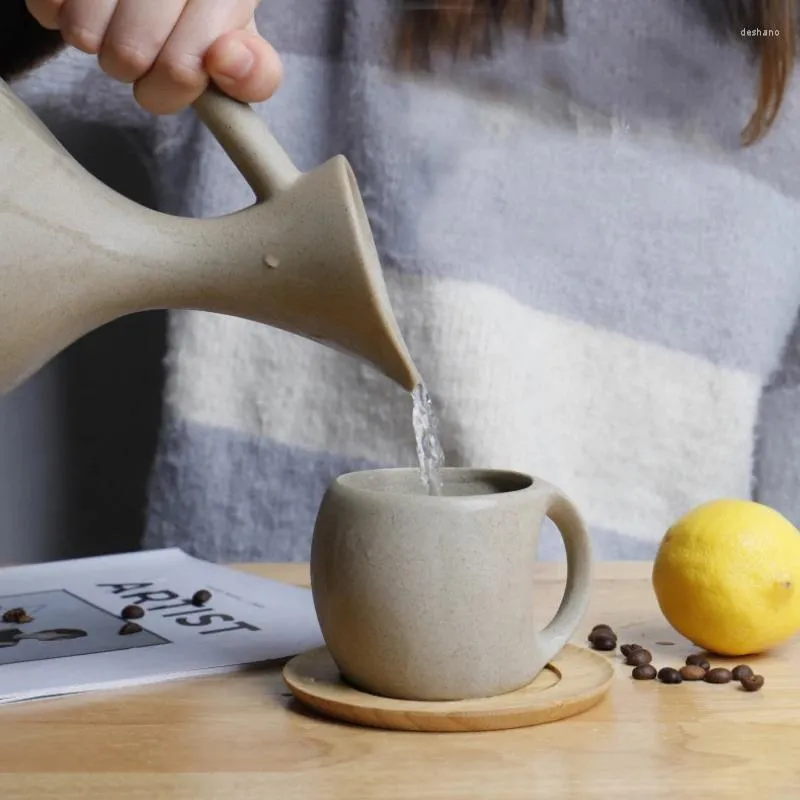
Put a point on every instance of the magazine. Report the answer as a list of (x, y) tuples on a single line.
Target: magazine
[(63, 629)]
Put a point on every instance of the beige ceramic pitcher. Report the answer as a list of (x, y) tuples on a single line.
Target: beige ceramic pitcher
[(75, 255)]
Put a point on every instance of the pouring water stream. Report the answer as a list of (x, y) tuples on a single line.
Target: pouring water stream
[(429, 448)]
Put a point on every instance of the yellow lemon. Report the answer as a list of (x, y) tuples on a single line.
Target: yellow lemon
[(727, 577)]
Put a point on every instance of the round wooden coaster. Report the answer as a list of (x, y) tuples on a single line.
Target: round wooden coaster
[(574, 682)]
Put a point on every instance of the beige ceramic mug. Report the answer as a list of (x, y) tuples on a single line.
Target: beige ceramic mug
[(433, 598)]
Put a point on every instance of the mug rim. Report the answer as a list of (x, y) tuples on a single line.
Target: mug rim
[(348, 481)]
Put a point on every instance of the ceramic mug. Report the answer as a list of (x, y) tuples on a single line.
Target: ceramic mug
[(425, 597)]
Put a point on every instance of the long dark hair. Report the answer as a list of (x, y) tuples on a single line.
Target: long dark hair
[(468, 28)]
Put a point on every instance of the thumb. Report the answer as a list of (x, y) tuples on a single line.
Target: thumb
[(244, 65)]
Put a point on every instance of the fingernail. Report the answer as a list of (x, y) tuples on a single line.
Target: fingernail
[(236, 61)]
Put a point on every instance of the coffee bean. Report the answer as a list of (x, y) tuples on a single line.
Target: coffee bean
[(604, 642), (132, 612), (602, 627), (601, 631), (669, 675), (644, 672), (742, 671), (130, 627), (693, 672), (627, 649), (639, 657), (718, 675), (752, 683), (17, 616), (201, 597), (698, 661)]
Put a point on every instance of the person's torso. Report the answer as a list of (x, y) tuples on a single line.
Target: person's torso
[(594, 278)]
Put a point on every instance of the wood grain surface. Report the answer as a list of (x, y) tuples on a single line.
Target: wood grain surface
[(243, 737)]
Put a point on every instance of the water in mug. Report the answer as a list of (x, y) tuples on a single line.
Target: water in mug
[(429, 449)]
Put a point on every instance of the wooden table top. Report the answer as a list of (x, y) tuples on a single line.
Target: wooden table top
[(242, 737)]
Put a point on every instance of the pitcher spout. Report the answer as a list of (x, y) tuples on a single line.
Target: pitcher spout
[(347, 305), (387, 350), (305, 262)]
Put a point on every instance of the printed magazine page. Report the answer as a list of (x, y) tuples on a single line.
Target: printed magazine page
[(62, 631)]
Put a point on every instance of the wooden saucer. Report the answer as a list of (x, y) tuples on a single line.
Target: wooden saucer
[(575, 681)]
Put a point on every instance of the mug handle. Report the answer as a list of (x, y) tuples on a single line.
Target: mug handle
[(575, 601)]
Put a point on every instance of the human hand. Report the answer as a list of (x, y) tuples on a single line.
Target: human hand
[(170, 49)]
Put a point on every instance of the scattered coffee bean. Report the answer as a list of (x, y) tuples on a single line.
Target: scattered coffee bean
[(603, 642), (718, 675), (752, 683), (693, 672), (201, 597), (132, 612), (669, 675), (644, 672), (18, 616), (697, 667), (639, 657), (698, 661), (130, 627), (602, 627)]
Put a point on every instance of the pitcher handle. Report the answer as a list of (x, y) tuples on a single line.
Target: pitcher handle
[(575, 601), (247, 140)]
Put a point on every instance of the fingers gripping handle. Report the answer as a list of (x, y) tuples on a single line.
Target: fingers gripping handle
[(248, 142), (579, 575)]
